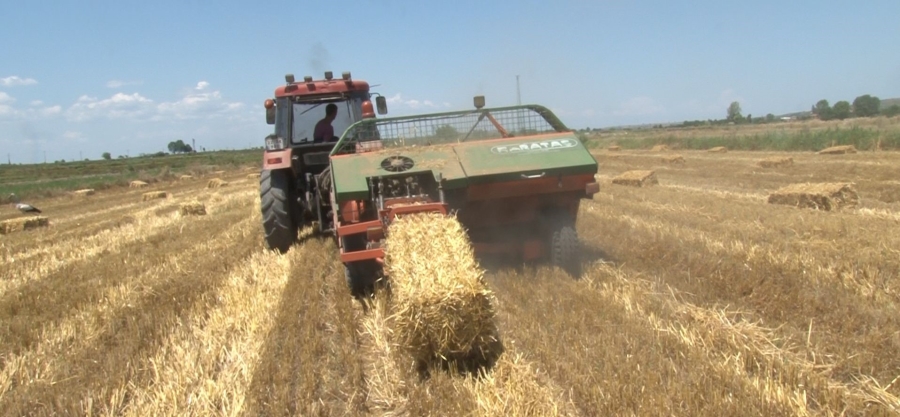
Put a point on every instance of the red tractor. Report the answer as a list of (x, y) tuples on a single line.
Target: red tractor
[(293, 160)]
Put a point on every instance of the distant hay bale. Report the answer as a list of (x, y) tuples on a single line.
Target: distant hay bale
[(441, 309), (216, 183), (636, 178), (838, 150), (84, 193), (23, 223), (674, 159), (154, 195), (193, 208), (614, 148), (185, 177), (253, 176), (820, 196), (776, 162), (137, 184), (217, 173), (659, 148), (718, 149)]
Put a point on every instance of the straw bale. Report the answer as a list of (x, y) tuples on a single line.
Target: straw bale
[(153, 195), (614, 148), (216, 183), (718, 149), (254, 175), (636, 178), (193, 208), (659, 148), (137, 184), (819, 196), (674, 159), (441, 308), (185, 177), (218, 173), (776, 162), (23, 223), (84, 193), (838, 150)]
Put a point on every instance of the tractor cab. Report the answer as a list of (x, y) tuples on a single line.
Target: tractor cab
[(293, 160)]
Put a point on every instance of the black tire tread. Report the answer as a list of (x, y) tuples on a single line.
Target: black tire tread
[(275, 198), (564, 248)]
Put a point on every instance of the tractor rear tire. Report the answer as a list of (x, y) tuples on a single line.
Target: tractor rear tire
[(564, 249), (277, 198)]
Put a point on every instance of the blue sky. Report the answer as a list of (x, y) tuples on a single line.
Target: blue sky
[(82, 78)]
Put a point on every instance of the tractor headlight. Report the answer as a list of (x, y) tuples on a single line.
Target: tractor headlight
[(275, 143)]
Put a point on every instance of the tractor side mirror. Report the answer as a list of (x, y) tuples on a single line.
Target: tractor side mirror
[(381, 104), (270, 116)]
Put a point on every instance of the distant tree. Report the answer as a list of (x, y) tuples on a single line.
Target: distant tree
[(770, 117), (179, 146), (734, 112), (841, 110), (823, 110), (107, 156), (749, 118), (446, 133), (866, 106), (891, 111)]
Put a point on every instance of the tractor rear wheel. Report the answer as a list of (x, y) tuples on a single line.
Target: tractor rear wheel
[(564, 248), (277, 200)]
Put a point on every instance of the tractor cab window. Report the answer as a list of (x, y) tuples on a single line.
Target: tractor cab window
[(306, 115)]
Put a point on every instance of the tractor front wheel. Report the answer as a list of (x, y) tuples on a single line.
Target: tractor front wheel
[(277, 197)]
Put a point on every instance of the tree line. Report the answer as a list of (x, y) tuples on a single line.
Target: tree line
[(863, 106)]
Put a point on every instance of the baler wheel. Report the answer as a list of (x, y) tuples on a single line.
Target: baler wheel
[(277, 203), (361, 275), (564, 249)]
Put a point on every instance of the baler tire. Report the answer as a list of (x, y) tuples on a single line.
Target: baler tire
[(276, 198), (564, 249), (361, 277)]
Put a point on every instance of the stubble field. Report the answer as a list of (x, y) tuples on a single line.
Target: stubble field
[(697, 297)]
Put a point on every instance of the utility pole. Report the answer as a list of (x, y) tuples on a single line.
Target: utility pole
[(45, 157), (518, 92), (8, 159), (193, 145), (79, 156)]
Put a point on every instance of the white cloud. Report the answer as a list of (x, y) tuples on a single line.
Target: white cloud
[(16, 80), (35, 103), (70, 135), (6, 98), (399, 100), (197, 103), (120, 83), (120, 105), (639, 106)]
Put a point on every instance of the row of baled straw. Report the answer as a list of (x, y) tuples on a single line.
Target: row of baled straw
[(441, 308)]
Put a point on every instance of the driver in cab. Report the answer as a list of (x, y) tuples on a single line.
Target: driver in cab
[(324, 132)]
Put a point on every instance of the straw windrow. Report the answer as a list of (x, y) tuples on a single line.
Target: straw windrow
[(441, 307), (23, 223), (821, 196)]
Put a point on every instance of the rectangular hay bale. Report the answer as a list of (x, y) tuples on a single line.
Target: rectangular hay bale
[(819, 196), (185, 177), (22, 224), (659, 148), (718, 149), (137, 184), (154, 195), (441, 308), (838, 150), (216, 183), (84, 193), (674, 159), (776, 162), (253, 176), (636, 178), (614, 148), (193, 208)]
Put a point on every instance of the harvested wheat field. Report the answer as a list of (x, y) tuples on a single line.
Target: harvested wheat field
[(696, 297)]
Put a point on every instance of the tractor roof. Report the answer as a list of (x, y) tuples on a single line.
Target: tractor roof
[(321, 87)]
